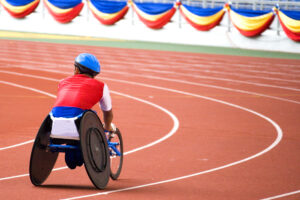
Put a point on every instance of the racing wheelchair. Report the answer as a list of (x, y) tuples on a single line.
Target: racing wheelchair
[(101, 152)]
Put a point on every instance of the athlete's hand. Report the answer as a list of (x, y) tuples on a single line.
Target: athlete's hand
[(112, 128)]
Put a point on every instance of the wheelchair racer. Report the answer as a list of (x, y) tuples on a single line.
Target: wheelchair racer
[(82, 91)]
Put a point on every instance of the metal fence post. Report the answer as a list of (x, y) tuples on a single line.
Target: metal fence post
[(132, 14), (278, 23), (43, 9), (179, 16), (228, 18), (87, 11)]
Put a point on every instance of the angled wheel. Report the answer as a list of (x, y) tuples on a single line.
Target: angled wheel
[(116, 154), (94, 149), (42, 160)]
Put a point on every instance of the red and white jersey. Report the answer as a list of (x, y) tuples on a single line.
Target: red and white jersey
[(82, 92)]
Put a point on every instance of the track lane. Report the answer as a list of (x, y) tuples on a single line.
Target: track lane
[(245, 101)]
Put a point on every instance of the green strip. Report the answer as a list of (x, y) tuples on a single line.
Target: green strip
[(165, 47)]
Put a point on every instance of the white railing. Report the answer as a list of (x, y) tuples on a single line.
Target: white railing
[(131, 27)]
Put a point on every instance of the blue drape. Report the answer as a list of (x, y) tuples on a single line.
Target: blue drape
[(203, 12), (65, 4), (109, 6), (250, 13), (19, 2), (154, 8), (292, 14)]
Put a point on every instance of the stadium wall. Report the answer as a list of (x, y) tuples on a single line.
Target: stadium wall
[(177, 31)]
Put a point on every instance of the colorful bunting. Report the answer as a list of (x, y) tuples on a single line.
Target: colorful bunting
[(290, 22), (19, 8), (154, 15), (250, 23), (108, 12), (64, 11), (202, 19)]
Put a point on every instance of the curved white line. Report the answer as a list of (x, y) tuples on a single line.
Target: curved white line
[(169, 134), (218, 72), (282, 195), (231, 80), (27, 88), (275, 143), (24, 175), (207, 85), (16, 145)]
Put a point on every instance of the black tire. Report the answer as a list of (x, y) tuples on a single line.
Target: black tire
[(94, 149), (42, 160), (116, 162)]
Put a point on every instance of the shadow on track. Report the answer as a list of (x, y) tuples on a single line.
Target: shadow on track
[(71, 187)]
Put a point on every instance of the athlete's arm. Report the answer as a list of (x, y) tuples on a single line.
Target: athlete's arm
[(107, 118), (106, 107)]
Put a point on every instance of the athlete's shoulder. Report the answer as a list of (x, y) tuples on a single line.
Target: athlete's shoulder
[(77, 78), (65, 81), (97, 81), (67, 78)]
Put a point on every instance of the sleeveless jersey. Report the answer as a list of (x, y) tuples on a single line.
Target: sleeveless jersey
[(76, 94)]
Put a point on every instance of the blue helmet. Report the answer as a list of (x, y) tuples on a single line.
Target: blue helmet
[(87, 63)]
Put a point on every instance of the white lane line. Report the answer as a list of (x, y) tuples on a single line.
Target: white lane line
[(13, 177), (16, 145), (212, 68), (165, 79), (141, 57), (169, 134), (195, 76), (207, 85), (159, 65), (28, 88), (274, 144), (24, 175), (31, 76), (282, 195), (222, 73), (226, 80)]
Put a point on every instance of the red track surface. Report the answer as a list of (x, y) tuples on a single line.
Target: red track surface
[(232, 112)]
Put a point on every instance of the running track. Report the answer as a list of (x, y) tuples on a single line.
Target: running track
[(195, 126)]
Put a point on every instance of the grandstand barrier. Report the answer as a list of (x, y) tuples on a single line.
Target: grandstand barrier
[(216, 23)]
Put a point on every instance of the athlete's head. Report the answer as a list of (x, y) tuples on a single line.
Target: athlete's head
[(87, 64)]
